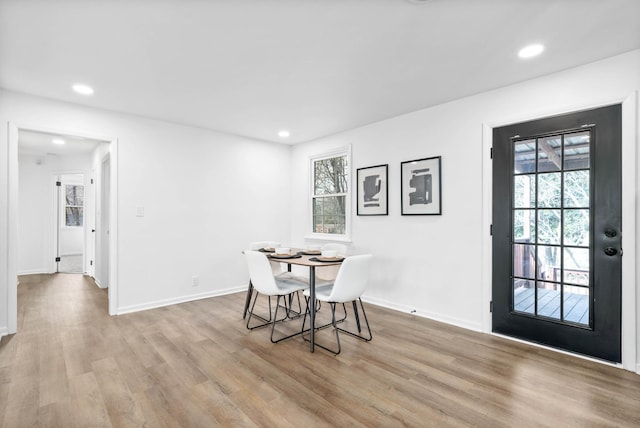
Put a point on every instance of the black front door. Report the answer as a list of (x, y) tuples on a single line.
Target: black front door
[(557, 226)]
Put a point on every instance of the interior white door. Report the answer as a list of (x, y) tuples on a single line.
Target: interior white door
[(102, 223), (90, 217)]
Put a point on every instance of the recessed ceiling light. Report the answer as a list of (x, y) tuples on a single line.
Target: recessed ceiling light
[(283, 133), (58, 141), (83, 89), (531, 51)]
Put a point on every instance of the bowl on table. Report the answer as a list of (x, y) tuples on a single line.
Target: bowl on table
[(312, 252)]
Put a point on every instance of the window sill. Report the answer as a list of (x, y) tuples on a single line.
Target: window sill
[(328, 237)]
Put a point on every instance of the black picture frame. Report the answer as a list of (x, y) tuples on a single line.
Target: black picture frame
[(373, 190), (421, 186)]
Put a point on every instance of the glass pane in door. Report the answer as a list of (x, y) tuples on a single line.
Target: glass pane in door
[(551, 209), (548, 299)]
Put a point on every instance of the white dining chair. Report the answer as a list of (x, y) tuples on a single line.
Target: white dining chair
[(259, 245), (341, 249), (328, 274), (282, 287), (275, 267), (349, 286)]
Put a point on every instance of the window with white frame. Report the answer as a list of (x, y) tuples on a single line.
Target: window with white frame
[(73, 205), (330, 194)]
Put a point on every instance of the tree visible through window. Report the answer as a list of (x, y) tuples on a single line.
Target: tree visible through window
[(329, 200), (74, 205)]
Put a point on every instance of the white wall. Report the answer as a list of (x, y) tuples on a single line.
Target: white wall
[(35, 227), (205, 195), (36, 215), (434, 264)]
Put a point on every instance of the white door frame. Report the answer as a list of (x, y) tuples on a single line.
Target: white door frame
[(630, 121), (12, 217)]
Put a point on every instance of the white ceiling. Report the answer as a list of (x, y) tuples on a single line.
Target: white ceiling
[(41, 144), (314, 67)]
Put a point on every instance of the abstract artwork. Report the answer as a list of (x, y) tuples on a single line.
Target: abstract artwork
[(373, 189), (421, 187)]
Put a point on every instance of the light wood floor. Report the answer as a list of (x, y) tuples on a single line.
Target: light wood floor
[(195, 364)]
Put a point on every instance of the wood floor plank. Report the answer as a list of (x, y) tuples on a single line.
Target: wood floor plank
[(54, 415), (144, 352), (155, 411), (196, 365), (219, 405), (185, 412), (123, 410), (87, 402), (54, 386), (175, 357)]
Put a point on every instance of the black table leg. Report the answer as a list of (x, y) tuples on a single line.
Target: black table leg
[(312, 305), (248, 300), (355, 313)]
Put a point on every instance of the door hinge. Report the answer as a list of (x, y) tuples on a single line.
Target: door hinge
[(491, 229), (58, 183), (90, 262), (57, 259), (491, 306), (491, 153), (92, 181)]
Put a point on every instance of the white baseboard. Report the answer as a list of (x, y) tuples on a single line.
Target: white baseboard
[(560, 351), (34, 272), (97, 282), (425, 314), (638, 369), (177, 300), (4, 331)]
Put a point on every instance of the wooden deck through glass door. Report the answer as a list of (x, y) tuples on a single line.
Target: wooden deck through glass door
[(576, 306)]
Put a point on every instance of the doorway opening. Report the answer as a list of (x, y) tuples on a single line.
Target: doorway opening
[(70, 224), (54, 180)]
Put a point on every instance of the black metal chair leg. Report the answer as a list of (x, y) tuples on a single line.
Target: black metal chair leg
[(275, 320), (247, 301), (366, 320), (290, 310), (251, 314)]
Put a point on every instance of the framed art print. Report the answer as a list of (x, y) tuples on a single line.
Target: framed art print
[(373, 190), (421, 187)]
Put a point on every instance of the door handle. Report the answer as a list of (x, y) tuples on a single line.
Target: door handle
[(610, 251), (610, 233)]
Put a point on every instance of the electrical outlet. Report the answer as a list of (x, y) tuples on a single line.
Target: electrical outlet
[(195, 280)]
